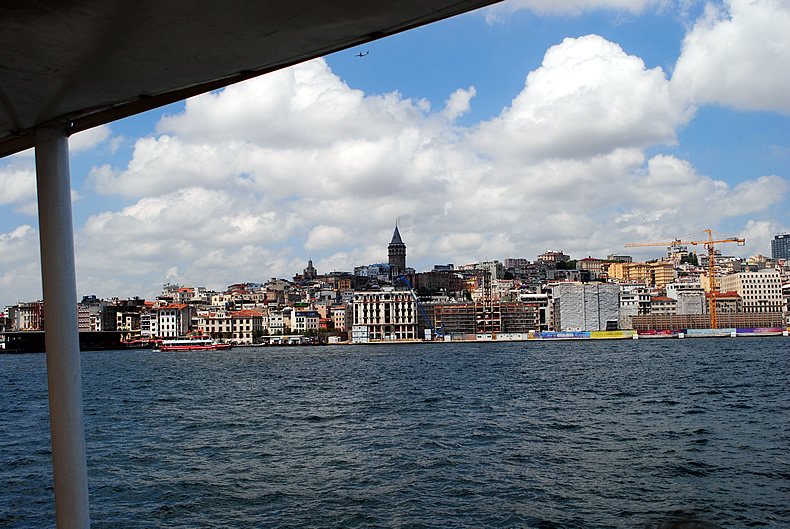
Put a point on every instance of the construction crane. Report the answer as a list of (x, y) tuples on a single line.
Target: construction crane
[(708, 244), (439, 334)]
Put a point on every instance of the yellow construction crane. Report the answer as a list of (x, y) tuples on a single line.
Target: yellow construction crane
[(708, 244)]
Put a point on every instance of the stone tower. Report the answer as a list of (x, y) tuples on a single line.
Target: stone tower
[(310, 272), (397, 254)]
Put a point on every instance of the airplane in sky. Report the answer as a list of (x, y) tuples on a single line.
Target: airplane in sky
[(362, 54)]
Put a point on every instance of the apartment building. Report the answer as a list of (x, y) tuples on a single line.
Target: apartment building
[(304, 320), (246, 325), (658, 274), (173, 320), (759, 291)]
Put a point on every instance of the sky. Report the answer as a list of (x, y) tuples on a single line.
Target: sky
[(530, 125)]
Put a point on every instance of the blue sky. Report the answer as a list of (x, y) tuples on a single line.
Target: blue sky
[(531, 125)]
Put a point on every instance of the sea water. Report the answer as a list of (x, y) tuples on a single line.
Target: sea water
[(532, 434)]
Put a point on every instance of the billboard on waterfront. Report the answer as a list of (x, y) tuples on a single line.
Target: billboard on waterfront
[(611, 334), (761, 330)]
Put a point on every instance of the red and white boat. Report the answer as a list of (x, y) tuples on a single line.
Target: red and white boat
[(191, 343)]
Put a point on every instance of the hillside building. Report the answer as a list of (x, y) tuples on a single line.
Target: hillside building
[(780, 246)]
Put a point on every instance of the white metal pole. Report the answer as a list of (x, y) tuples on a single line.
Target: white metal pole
[(56, 235)]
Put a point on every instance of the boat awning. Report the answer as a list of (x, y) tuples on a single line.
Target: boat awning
[(86, 63)]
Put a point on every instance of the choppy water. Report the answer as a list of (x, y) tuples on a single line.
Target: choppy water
[(543, 435)]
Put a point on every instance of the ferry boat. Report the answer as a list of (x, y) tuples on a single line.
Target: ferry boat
[(191, 343)]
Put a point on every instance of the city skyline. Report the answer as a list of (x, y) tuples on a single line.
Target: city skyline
[(500, 133)]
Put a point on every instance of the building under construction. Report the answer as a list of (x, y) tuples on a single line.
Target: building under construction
[(733, 320), (486, 318), (586, 306)]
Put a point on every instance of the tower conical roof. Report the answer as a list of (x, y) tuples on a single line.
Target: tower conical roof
[(396, 237)]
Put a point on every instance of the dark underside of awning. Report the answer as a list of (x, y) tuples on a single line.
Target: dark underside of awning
[(84, 63)]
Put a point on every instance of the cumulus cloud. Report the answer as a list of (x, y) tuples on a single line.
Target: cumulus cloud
[(20, 271), (247, 182), (588, 98), (89, 138), (18, 182), (669, 192), (458, 104), (759, 234), (738, 54)]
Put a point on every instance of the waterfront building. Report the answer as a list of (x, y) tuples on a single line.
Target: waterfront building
[(246, 325), (733, 320), (663, 305), (469, 319), (27, 316), (586, 307), (759, 291), (726, 303), (83, 318), (145, 325), (173, 320), (384, 315), (277, 321), (304, 320), (629, 307), (218, 324), (453, 318), (780, 246), (540, 303), (396, 250), (692, 302), (126, 321), (338, 315)]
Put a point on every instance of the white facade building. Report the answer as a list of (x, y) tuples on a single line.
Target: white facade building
[(385, 315), (760, 291), (173, 320)]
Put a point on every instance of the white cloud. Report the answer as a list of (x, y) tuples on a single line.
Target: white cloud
[(738, 55), (759, 234), (247, 182), (324, 237), (88, 139), (20, 271), (458, 103), (587, 98), (18, 182)]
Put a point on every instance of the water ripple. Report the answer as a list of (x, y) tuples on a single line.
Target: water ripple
[(532, 435)]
